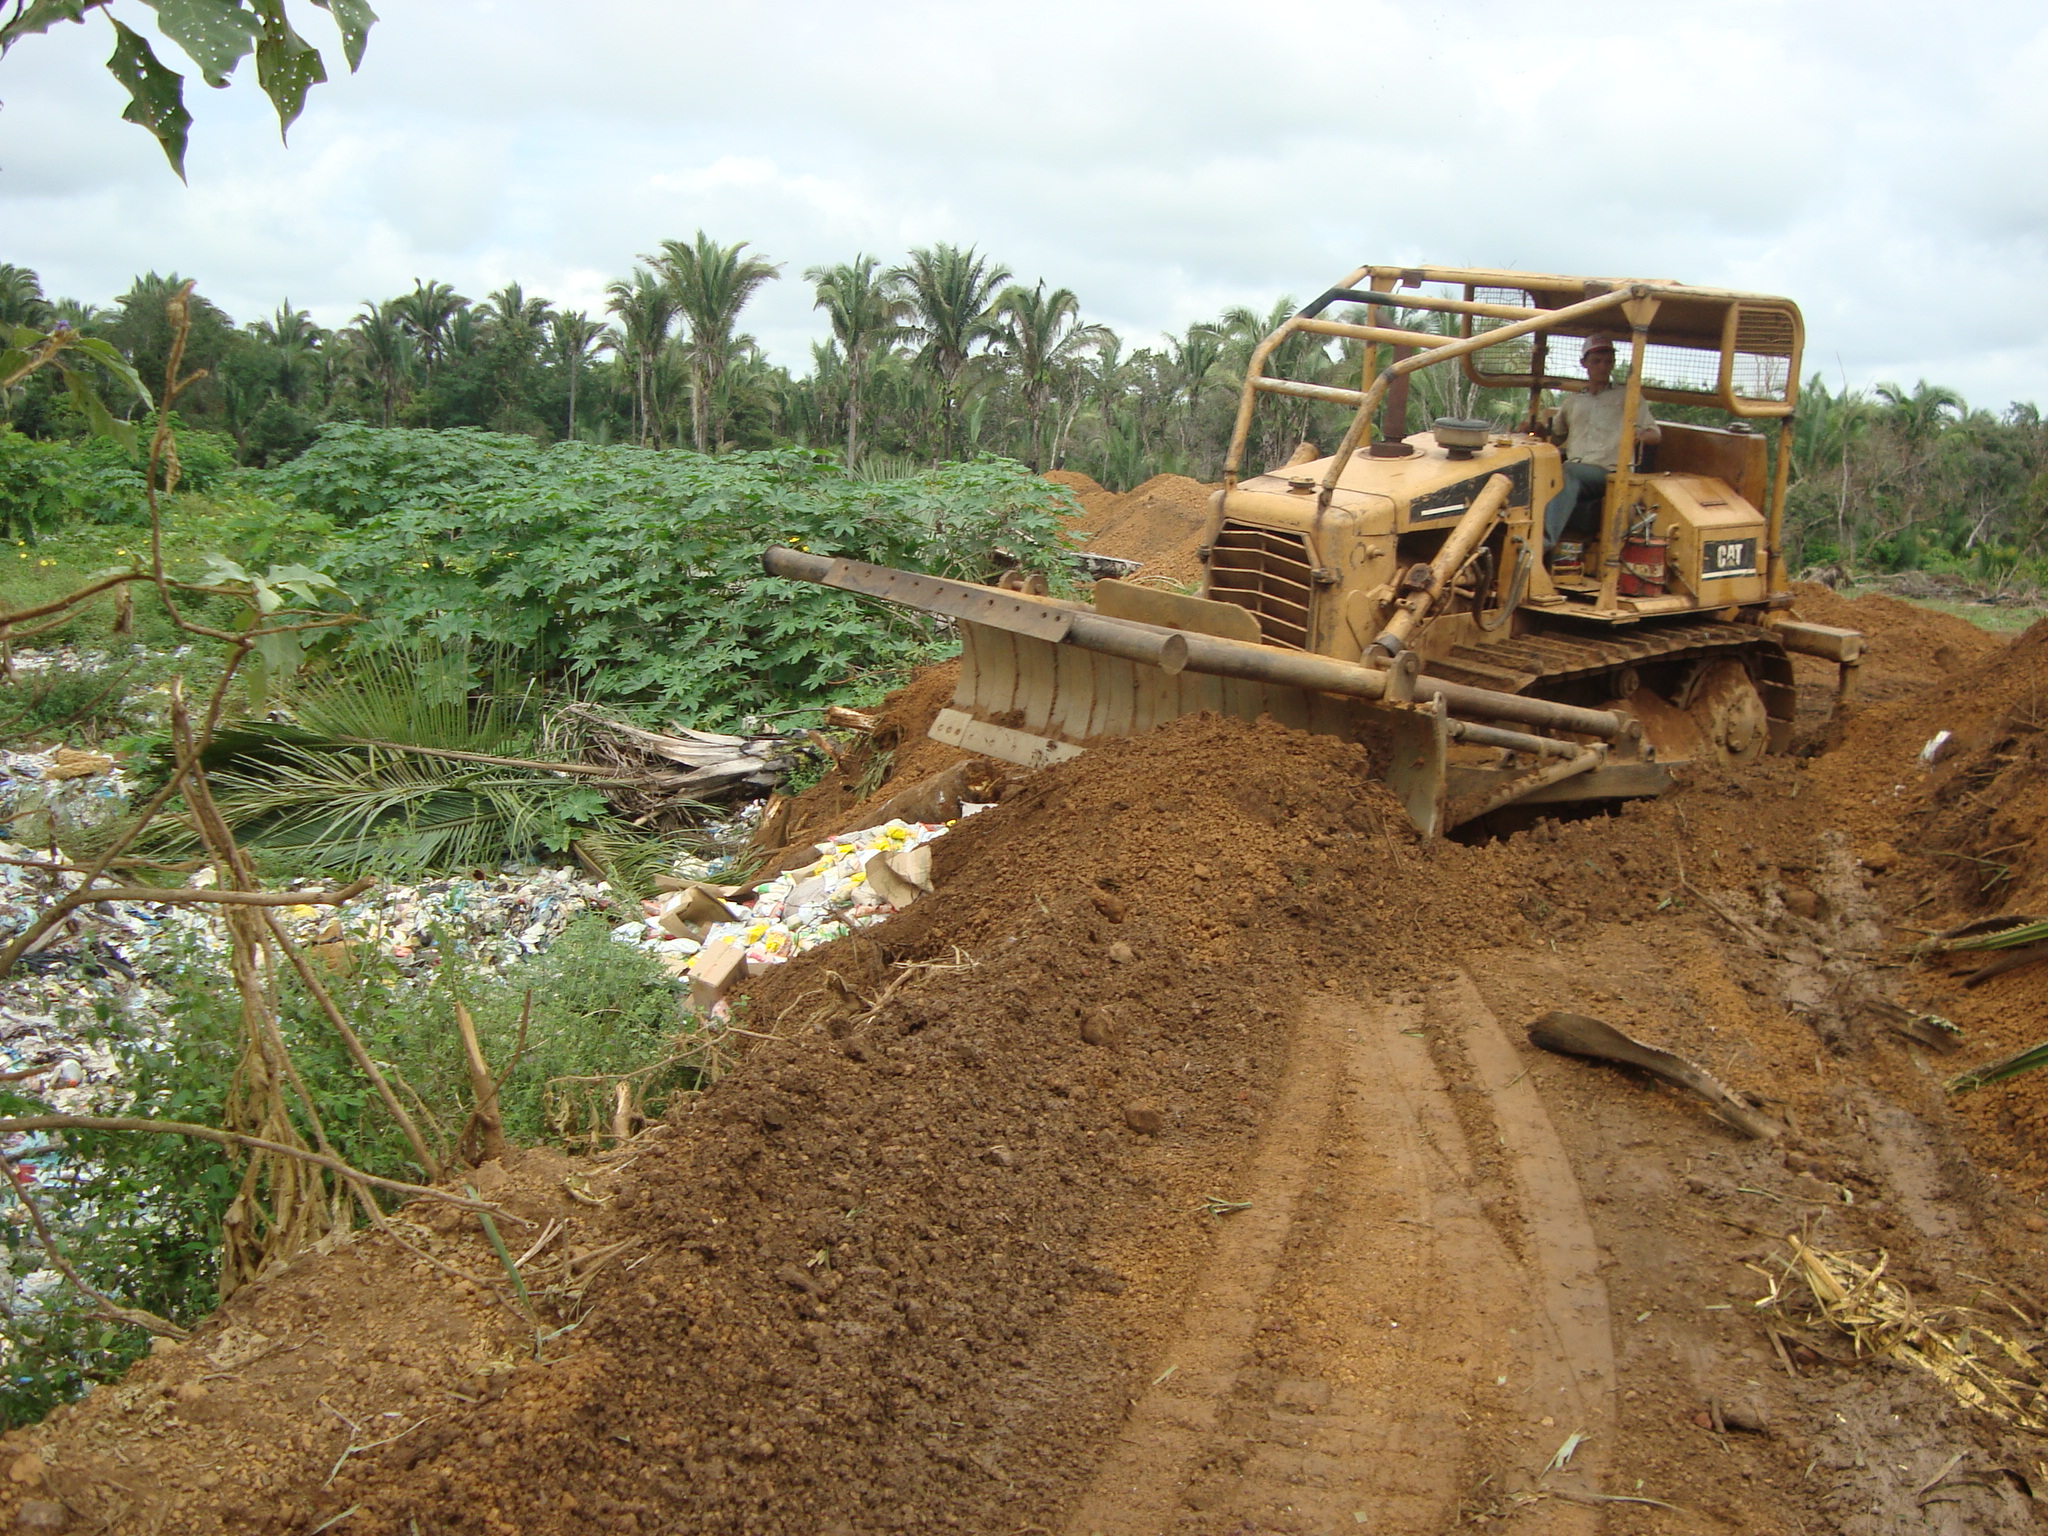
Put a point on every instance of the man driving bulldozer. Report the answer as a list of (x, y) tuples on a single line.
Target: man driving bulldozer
[(1586, 425)]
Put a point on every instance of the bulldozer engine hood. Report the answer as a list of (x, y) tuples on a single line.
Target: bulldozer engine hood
[(1426, 488)]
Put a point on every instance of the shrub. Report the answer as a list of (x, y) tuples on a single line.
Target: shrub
[(638, 572), (140, 1215), (31, 485)]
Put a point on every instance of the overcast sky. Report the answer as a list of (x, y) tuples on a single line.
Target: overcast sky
[(1877, 161)]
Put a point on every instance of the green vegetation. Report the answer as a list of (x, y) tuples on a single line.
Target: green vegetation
[(637, 574), (938, 358), (142, 1214)]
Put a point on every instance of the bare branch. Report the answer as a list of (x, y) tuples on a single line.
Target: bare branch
[(135, 1317), (236, 1139)]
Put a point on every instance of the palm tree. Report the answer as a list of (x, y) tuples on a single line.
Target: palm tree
[(511, 310), (427, 313), (646, 310), (951, 293), (1303, 356), (574, 336), (385, 346), (21, 297), (1924, 413), (294, 339), (1043, 336), (465, 335), (77, 313), (646, 307), (1192, 358), (712, 284), (868, 315)]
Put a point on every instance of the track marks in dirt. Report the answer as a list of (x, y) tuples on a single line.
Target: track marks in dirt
[(1365, 1347), (1572, 1369), (1180, 1411)]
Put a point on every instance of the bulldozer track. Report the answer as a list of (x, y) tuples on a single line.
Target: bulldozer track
[(1528, 663), (1407, 1321)]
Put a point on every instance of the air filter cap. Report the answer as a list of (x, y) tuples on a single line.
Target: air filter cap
[(1460, 432)]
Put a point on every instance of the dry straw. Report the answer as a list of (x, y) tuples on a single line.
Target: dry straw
[(1977, 1363)]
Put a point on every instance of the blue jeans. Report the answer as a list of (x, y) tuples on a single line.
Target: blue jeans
[(1578, 479)]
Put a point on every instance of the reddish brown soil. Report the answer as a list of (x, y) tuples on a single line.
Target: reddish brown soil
[(897, 754), (1910, 647), (940, 1254), (1086, 488), (1160, 524)]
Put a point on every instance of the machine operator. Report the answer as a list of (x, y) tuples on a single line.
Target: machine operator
[(1586, 426)]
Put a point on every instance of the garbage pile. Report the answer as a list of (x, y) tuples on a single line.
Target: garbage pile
[(715, 934), (45, 795)]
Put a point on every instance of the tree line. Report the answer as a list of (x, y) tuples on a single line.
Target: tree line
[(946, 354)]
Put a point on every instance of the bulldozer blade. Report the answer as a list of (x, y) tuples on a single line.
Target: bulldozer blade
[(1032, 701), (1416, 772)]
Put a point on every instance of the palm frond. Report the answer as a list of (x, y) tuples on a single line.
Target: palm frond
[(427, 695), (2032, 1059), (346, 809)]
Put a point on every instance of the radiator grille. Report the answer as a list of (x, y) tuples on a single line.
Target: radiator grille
[(1265, 571)]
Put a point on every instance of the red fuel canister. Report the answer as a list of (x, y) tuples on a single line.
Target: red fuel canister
[(1642, 566)]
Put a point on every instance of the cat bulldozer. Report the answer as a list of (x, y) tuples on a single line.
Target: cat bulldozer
[(1397, 592)]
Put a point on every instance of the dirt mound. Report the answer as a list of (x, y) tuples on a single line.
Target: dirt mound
[(897, 754), (1182, 1067), (1986, 800), (1903, 636), (880, 1287), (1964, 828), (1960, 838), (357, 1341), (1081, 485), (1160, 525)]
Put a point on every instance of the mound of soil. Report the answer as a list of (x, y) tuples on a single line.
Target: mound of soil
[(1910, 646), (877, 1290), (1085, 487), (895, 755), (917, 1263), (1963, 828), (1959, 838), (1159, 524)]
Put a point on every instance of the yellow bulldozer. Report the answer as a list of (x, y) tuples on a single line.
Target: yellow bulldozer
[(1398, 591)]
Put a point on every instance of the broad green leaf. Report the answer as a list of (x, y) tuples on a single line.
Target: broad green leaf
[(220, 571), (287, 66), (96, 413), (156, 95), (355, 19), (109, 357), (40, 16), (216, 34), (300, 575)]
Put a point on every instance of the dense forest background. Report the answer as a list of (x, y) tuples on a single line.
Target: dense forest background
[(941, 357)]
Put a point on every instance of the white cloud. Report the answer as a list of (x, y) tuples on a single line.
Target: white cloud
[(1162, 159)]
